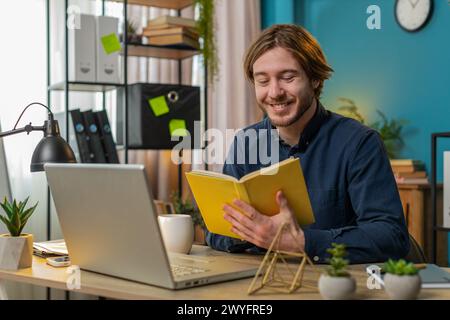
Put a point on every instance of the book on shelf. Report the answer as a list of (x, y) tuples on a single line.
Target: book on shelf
[(171, 20), (412, 180), (213, 190), (177, 39), (405, 162), (192, 33), (409, 175), (407, 169)]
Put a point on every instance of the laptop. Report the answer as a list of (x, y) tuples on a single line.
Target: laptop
[(109, 222)]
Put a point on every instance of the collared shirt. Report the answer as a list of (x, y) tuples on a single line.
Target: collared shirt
[(351, 187)]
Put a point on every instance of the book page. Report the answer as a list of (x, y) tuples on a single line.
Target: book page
[(271, 170), (213, 174), (262, 190)]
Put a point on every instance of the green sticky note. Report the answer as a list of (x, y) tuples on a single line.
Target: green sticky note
[(111, 43), (159, 105), (177, 128)]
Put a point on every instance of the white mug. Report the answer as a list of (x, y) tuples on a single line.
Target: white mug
[(177, 231)]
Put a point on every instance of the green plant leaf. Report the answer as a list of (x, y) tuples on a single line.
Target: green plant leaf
[(23, 204), (11, 228), (15, 221), (7, 209), (400, 267), (27, 213), (206, 29)]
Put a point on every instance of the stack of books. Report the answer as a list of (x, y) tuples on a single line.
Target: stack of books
[(409, 171), (170, 30)]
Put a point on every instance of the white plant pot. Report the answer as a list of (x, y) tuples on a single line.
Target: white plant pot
[(336, 288), (16, 252), (402, 287)]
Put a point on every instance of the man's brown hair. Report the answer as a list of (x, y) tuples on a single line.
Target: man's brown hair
[(303, 46)]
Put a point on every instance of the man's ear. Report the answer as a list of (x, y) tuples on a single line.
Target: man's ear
[(315, 84)]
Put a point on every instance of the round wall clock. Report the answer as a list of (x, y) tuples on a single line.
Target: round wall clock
[(413, 15)]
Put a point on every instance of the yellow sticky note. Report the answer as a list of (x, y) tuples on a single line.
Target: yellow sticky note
[(177, 128), (159, 105), (111, 43)]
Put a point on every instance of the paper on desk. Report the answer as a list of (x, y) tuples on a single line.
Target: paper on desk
[(51, 247)]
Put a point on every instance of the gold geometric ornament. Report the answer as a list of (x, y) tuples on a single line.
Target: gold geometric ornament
[(271, 272)]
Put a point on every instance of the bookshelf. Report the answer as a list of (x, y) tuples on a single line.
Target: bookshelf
[(172, 52), (436, 225)]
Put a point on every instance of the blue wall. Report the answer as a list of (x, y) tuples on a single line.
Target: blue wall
[(405, 75)]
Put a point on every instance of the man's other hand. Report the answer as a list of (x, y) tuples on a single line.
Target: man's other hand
[(254, 227)]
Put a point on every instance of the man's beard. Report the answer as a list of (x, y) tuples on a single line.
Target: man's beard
[(304, 106)]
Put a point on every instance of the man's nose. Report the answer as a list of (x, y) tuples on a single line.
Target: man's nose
[(275, 90)]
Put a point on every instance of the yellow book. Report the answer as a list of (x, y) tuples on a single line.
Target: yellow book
[(213, 190)]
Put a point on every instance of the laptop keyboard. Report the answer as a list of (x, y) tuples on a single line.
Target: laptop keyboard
[(181, 270)]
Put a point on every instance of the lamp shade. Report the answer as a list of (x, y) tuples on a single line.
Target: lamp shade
[(52, 148)]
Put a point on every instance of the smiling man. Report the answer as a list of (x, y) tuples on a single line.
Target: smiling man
[(348, 175)]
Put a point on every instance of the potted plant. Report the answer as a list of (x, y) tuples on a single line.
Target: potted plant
[(187, 207), (132, 35), (206, 29), (337, 283), (402, 280), (391, 131), (16, 247)]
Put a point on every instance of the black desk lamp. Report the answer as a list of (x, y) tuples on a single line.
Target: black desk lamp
[(52, 147)]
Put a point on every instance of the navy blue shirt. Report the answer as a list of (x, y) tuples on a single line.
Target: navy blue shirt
[(351, 186)]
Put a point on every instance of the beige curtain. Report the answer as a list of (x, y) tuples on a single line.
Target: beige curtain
[(231, 102), (163, 174)]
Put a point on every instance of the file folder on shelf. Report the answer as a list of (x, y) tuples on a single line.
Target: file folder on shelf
[(104, 129), (95, 145), (81, 136)]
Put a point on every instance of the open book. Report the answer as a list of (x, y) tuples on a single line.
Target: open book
[(212, 190)]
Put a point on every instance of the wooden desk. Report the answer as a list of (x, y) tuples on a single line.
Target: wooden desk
[(42, 274)]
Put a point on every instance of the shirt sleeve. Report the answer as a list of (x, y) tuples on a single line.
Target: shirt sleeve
[(380, 231)]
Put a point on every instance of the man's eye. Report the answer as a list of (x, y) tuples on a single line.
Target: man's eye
[(288, 79), (262, 82)]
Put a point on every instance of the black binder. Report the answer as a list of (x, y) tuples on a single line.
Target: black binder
[(81, 136), (149, 131), (95, 144), (109, 146)]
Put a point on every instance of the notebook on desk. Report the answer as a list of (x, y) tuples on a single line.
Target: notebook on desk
[(110, 226)]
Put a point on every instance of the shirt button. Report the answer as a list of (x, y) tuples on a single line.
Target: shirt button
[(316, 258)]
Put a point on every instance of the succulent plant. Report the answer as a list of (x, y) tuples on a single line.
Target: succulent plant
[(186, 207), (16, 215), (338, 265), (400, 268)]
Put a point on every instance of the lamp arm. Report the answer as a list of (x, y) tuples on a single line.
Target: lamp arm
[(28, 128)]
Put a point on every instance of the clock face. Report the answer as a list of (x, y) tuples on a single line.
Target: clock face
[(412, 15)]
